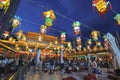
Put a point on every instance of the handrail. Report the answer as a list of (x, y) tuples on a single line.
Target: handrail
[(11, 78), (19, 74), (7, 47)]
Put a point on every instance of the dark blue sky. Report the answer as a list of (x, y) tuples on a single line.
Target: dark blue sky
[(66, 12)]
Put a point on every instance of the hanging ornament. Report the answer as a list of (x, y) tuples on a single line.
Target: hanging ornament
[(79, 47), (89, 41), (4, 4), (24, 38), (95, 35), (98, 43), (19, 35), (6, 34), (105, 38), (88, 47), (16, 21), (10, 39), (49, 17), (56, 42), (51, 43), (84, 48), (69, 45), (43, 29), (106, 42), (63, 36), (78, 40), (76, 27), (101, 6), (117, 18), (95, 48)]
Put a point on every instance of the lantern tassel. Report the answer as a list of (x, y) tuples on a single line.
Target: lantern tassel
[(93, 5), (110, 5)]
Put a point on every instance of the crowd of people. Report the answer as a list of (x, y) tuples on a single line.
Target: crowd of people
[(11, 64)]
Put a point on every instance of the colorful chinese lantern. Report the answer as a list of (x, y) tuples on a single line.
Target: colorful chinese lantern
[(95, 35), (51, 43), (76, 27), (6, 34), (101, 6), (79, 47), (4, 4), (117, 18), (89, 41), (98, 43), (105, 38), (63, 36), (16, 21), (106, 42), (78, 40), (56, 42), (43, 29), (49, 17), (19, 35), (69, 45), (24, 38), (88, 47)]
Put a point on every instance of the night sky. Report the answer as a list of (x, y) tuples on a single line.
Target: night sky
[(66, 12)]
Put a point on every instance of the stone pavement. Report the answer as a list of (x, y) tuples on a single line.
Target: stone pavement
[(58, 76)]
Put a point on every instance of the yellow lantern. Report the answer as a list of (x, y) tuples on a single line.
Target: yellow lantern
[(49, 17), (43, 29), (56, 42), (4, 4), (95, 35), (101, 5), (16, 21), (19, 34)]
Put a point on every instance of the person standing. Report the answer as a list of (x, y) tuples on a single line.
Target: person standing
[(94, 66), (40, 65), (52, 65)]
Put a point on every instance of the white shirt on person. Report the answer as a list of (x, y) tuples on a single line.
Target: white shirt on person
[(94, 64)]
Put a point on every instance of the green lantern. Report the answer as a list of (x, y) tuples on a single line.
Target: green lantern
[(117, 17), (48, 21)]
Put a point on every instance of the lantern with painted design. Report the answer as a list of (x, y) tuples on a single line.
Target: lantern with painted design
[(19, 35), (106, 42), (78, 40), (89, 41), (95, 35), (101, 6), (6, 34), (63, 36), (4, 5), (43, 29), (16, 21), (49, 17), (76, 27), (117, 18)]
